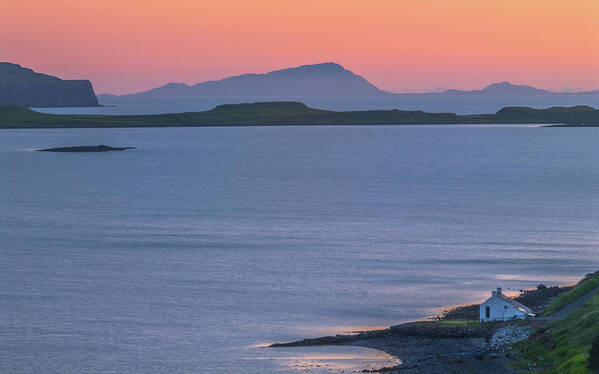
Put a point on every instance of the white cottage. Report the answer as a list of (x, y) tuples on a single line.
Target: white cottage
[(502, 308)]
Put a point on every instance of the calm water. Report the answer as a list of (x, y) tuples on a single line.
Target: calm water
[(461, 104), (185, 254)]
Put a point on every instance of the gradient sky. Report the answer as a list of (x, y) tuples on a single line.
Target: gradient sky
[(399, 45)]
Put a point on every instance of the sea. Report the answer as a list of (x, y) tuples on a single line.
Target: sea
[(197, 249)]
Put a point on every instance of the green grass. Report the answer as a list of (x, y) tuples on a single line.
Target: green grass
[(585, 285), (562, 346), (461, 323), (287, 114)]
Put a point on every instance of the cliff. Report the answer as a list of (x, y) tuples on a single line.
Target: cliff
[(24, 87)]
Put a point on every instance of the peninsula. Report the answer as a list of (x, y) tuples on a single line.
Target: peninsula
[(291, 114), (563, 338)]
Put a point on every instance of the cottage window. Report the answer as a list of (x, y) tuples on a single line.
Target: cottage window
[(488, 311)]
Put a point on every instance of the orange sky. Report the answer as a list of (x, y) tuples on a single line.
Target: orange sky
[(399, 45)]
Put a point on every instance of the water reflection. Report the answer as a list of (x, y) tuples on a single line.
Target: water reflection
[(328, 359)]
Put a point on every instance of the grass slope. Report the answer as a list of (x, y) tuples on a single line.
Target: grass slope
[(289, 113), (562, 346), (585, 285)]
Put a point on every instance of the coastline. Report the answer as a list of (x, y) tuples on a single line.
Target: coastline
[(446, 343), (590, 124)]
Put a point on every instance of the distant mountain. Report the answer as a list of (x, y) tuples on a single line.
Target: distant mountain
[(507, 89), (326, 79), (502, 88), (24, 87)]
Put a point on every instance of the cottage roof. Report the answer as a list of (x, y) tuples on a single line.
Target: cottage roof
[(513, 302)]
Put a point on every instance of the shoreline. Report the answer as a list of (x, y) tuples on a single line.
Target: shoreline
[(179, 126), (446, 342)]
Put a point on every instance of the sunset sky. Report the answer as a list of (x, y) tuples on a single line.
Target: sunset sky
[(399, 45)]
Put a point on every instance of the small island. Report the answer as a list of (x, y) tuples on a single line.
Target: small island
[(85, 148)]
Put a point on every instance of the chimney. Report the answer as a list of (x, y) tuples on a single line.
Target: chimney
[(496, 292)]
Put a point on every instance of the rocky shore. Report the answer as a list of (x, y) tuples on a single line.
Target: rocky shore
[(447, 343), (428, 347)]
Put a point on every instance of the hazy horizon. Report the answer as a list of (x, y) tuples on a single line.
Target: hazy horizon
[(399, 46), (407, 92), (415, 91)]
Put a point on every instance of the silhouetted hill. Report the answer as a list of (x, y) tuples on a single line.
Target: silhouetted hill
[(502, 88), (506, 88), (24, 87), (327, 79)]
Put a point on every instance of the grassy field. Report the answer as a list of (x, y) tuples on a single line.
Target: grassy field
[(562, 346), (290, 114)]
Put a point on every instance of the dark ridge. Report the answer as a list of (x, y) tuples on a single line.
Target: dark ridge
[(294, 114)]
